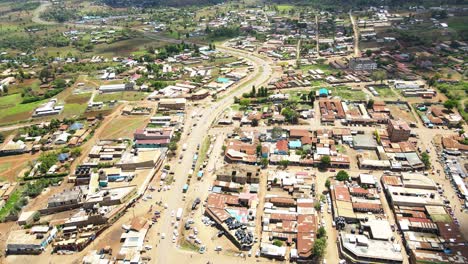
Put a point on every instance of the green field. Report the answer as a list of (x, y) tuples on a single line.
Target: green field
[(78, 98), (124, 127), (10, 203), (325, 68), (347, 94), (124, 47), (386, 93), (126, 96), (284, 8), (457, 23), (73, 110), (13, 111)]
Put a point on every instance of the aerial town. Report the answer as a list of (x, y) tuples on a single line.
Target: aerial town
[(208, 131)]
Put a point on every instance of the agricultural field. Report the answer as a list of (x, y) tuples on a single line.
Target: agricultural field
[(458, 24), (13, 111), (124, 127), (325, 68), (124, 47), (386, 93), (120, 96)]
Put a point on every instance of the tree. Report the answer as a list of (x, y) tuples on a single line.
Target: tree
[(432, 81), (264, 162), (290, 115), (368, 53), (173, 146), (284, 163), (325, 162), (450, 104), (321, 232), (244, 102), (327, 183), (254, 122), (370, 104), (426, 160), (379, 76), (253, 93), (36, 216), (278, 243), (317, 206), (342, 176), (320, 247), (311, 96), (44, 74), (259, 149)]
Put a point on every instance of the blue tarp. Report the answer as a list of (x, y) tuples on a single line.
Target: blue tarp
[(76, 126)]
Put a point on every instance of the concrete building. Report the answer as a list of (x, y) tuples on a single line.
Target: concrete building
[(32, 241), (116, 87), (68, 197), (240, 174), (398, 130), (49, 108), (172, 103), (362, 64)]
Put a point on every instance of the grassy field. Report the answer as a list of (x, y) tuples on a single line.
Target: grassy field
[(325, 68), (347, 94), (457, 23), (124, 47), (13, 110), (78, 98), (15, 196), (284, 8), (122, 127), (73, 110), (126, 96), (456, 92), (386, 93)]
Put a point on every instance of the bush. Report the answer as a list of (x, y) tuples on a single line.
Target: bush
[(342, 176), (321, 232), (37, 216), (278, 243)]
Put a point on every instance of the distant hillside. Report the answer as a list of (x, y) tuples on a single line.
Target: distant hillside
[(149, 3), (362, 3)]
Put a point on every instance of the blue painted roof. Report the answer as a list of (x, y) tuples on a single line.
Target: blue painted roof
[(295, 144), (76, 126), (63, 156), (323, 91)]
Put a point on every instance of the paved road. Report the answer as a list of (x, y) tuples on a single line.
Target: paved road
[(261, 74)]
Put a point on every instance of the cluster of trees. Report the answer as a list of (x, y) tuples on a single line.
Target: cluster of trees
[(33, 189), (426, 160), (30, 96), (222, 32), (453, 98), (60, 14), (174, 140), (172, 49), (18, 6), (379, 75), (46, 161), (320, 245), (151, 3), (262, 92), (291, 115)]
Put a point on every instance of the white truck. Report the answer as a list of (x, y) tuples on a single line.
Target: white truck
[(179, 214)]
